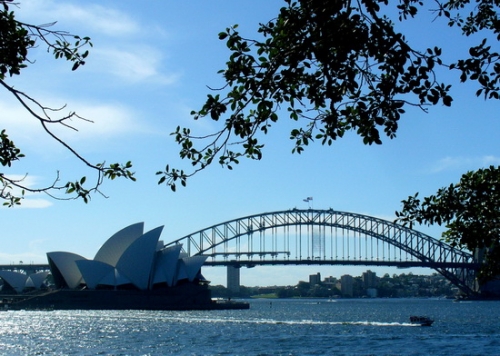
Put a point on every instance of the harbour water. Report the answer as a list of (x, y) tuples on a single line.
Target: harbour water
[(269, 327)]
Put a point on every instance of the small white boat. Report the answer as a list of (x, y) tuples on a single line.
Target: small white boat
[(421, 320)]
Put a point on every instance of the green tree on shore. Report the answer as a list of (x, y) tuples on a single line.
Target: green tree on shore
[(470, 210)]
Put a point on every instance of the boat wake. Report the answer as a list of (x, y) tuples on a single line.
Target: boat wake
[(290, 322)]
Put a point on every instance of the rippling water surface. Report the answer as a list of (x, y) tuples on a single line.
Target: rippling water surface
[(277, 327)]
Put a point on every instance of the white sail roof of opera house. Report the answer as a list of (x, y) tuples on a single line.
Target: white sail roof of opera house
[(189, 267), (111, 251), (63, 267), (166, 262), (136, 262), (100, 273), (36, 280), (19, 281), (128, 258), (15, 280)]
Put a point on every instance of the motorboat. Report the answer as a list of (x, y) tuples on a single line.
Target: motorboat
[(421, 320)]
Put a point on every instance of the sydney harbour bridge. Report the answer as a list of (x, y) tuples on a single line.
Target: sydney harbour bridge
[(328, 237), (322, 237)]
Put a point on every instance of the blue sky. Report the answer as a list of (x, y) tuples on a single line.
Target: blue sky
[(150, 66)]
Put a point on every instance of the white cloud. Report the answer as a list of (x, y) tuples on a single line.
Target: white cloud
[(93, 17), (101, 19), (141, 64), (108, 120), (14, 117), (464, 163), (120, 42)]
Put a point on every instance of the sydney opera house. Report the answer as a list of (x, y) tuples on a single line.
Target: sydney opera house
[(132, 270)]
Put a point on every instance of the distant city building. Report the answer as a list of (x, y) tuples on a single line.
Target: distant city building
[(370, 279), (347, 285), (330, 282), (233, 279), (330, 279), (314, 279)]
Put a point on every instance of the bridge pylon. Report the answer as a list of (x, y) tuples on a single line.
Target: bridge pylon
[(233, 278)]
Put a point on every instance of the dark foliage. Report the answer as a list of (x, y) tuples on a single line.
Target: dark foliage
[(332, 67)]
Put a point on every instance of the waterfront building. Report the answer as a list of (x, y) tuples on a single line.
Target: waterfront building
[(330, 282), (314, 279), (347, 285), (130, 259), (132, 270), (370, 279)]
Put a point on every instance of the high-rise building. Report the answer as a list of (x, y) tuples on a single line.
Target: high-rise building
[(370, 279), (347, 285), (314, 279)]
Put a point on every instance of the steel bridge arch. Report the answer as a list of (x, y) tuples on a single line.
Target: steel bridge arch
[(220, 242)]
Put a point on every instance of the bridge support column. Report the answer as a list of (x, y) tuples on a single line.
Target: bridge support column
[(233, 279)]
